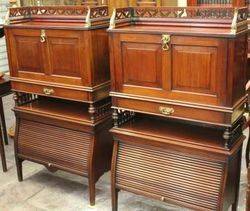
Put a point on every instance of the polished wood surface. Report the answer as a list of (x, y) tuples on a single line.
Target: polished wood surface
[(63, 54), (198, 74), (190, 168), (60, 109), (62, 136)]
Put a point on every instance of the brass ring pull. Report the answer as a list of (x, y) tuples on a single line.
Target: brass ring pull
[(43, 36), (48, 91), (165, 42), (166, 110)]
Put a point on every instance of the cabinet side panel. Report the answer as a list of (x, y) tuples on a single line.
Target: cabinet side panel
[(239, 68), (100, 49)]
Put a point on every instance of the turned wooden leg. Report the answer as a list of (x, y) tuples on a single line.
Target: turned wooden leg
[(91, 192), (19, 168), (4, 131), (3, 158), (114, 199), (92, 111)]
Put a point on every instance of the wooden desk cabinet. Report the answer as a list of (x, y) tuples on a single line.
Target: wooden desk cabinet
[(182, 63), (172, 162), (59, 51), (59, 67), (60, 135)]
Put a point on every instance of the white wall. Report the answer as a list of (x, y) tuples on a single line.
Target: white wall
[(182, 3), (3, 54)]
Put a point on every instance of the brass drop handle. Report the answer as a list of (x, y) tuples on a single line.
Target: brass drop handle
[(48, 91), (43, 36), (165, 41), (166, 110)]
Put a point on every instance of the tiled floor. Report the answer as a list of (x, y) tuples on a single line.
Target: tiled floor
[(42, 190)]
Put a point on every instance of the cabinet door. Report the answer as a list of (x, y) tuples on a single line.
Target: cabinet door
[(68, 56), (193, 69), (50, 56), (26, 53)]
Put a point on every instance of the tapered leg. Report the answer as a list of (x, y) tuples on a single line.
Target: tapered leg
[(114, 190), (248, 149), (114, 199), (4, 130), (19, 168), (236, 200), (234, 206), (91, 192), (3, 158)]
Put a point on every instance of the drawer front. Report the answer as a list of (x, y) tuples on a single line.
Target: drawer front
[(188, 69), (186, 180), (51, 91), (55, 145), (207, 115)]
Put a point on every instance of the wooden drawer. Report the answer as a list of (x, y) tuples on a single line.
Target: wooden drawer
[(58, 147), (201, 114), (51, 91)]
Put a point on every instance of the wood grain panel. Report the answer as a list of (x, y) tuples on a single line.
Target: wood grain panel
[(28, 54), (198, 65), (71, 151), (61, 64), (142, 64), (144, 168)]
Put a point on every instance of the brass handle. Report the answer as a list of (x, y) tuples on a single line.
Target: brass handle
[(49, 165), (43, 36), (166, 110), (165, 42), (48, 91)]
